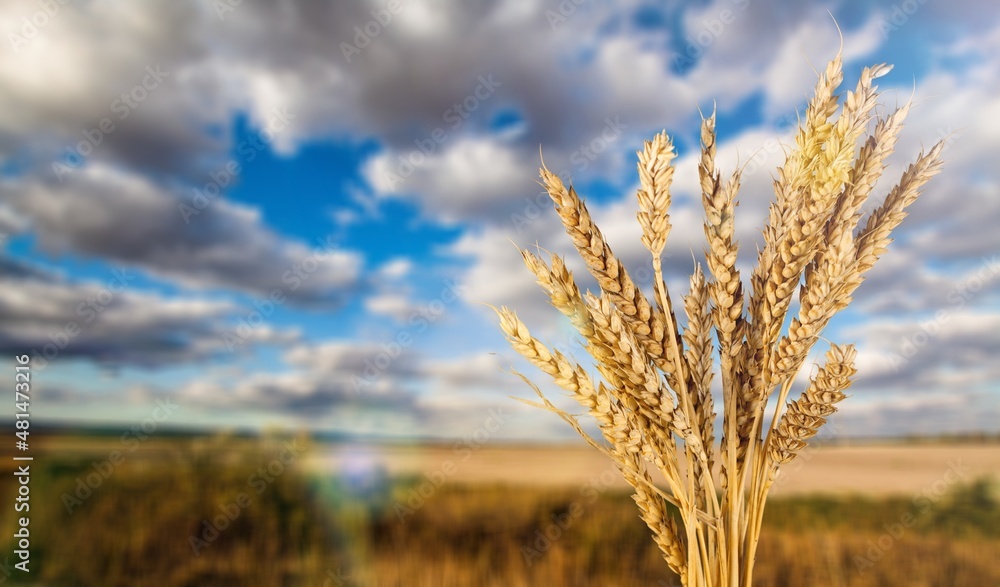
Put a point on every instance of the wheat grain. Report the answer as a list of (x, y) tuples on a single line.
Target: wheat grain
[(654, 403), (805, 415), (655, 174)]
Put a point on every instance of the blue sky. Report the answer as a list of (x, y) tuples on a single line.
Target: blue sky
[(293, 214)]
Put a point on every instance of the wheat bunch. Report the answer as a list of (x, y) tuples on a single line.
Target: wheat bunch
[(653, 403)]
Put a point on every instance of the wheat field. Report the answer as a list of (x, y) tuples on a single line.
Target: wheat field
[(315, 525)]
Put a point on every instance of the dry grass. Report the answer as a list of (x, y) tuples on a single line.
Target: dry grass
[(654, 404), (136, 526)]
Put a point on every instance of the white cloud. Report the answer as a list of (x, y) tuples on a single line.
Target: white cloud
[(127, 218), (469, 177), (396, 268), (792, 73), (563, 84), (411, 394), (113, 323), (396, 305)]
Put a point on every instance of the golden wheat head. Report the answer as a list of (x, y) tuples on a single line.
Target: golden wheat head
[(653, 401)]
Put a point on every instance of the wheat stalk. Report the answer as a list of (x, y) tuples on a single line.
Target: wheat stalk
[(654, 405)]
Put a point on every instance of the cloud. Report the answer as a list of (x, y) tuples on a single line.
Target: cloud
[(906, 288), (901, 414), (473, 177), (588, 91), (110, 323), (395, 305), (72, 74), (11, 223), (903, 285), (411, 395), (929, 355), (125, 218), (396, 268), (318, 380), (563, 88), (954, 219)]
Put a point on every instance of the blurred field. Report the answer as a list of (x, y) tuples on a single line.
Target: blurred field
[(331, 516), (873, 470)]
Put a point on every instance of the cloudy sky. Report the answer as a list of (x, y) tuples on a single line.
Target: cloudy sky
[(294, 213)]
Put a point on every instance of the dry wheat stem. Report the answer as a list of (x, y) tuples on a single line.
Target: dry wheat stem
[(611, 276), (793, 218), (655, 175), (726, 292), (821, 181), (653, 404), (619, 425)]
